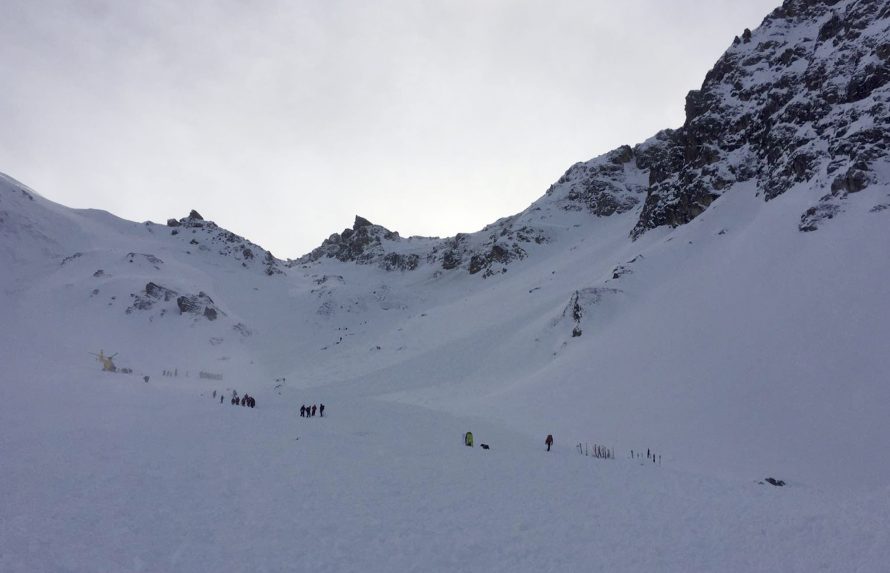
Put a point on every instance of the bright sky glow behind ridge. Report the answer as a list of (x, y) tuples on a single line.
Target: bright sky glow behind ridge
[(282, 120)]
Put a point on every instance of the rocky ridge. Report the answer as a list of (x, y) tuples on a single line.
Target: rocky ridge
[(370, 244), (803, 100), (608, 185), (207, 235)]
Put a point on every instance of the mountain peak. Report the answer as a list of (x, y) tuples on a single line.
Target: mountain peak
[(801, 100), (360, 222)]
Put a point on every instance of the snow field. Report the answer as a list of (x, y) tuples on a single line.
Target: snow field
[(104, 472)]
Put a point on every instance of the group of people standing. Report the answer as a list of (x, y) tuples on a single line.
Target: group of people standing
[(247, 400), (309, 411)]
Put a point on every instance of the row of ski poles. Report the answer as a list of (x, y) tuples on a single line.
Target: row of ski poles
[(606, 453)]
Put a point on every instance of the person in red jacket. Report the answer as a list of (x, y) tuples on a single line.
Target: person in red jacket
[(549, 441)]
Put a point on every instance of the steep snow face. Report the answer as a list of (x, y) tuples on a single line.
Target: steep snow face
[(96, 282), (802, 100), (31, 226)]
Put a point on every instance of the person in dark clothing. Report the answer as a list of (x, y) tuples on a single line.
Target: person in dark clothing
[(549, 441), (233, 400), (220, 399), (252, 402), (321, 410), (303, 411), (237, 401), (313, 410)]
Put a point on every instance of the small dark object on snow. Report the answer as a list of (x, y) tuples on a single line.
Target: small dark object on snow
[(775, 482), (145, 378), (484, 446)]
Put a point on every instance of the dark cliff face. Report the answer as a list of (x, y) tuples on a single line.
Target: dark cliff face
[(802, 99), (603, 186), (369, 244), (363, 243)]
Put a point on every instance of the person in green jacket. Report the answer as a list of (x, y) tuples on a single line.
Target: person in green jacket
[(468, 439)]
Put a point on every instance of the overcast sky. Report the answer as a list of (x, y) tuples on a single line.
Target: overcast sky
[(282, 119)]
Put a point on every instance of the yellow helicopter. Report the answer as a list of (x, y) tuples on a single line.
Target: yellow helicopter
[(107, 361)]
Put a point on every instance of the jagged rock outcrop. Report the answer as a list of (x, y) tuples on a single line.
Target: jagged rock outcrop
[(400, 262), (362, 244), (581, 304), (489, 251), (603, 186), (208, 236), (801, 100), (626, 268), (198, 304), (154, 294)]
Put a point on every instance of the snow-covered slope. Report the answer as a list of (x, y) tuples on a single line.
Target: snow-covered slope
[(671, 295)]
